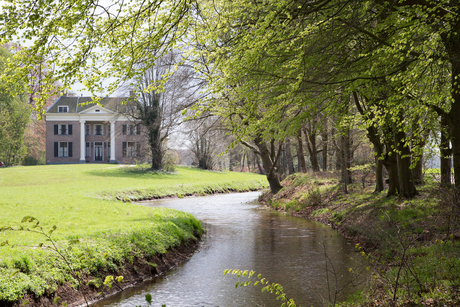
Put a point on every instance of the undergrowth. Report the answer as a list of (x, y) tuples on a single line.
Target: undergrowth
[(412, 246)]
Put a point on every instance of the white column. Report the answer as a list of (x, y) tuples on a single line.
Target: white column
[(82, 142), (112, 142)]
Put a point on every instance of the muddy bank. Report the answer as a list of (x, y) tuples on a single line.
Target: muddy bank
[(133, 273)]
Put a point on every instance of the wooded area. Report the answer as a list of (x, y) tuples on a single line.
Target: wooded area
[(336, 74)]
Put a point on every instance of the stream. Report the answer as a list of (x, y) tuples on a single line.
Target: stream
[(241, 234)]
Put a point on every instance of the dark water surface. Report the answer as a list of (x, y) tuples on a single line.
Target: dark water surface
[(243, 235)]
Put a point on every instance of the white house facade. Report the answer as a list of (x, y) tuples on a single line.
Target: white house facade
[(81, 131)]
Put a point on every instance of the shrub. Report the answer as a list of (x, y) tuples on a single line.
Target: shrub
[(314, 197)]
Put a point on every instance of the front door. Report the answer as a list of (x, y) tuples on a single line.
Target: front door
[(98, 153)]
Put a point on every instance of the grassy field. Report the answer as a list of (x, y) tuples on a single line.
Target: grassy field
[(80, 200)]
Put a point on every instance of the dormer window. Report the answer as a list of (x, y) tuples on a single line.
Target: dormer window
[(63, 109)]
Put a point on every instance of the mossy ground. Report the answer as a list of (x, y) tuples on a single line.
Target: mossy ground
[(411, 246), (80, 200)]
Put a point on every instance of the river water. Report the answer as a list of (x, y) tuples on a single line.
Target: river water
[(243, 235)]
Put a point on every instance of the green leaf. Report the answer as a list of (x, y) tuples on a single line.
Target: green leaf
[(148, 298)]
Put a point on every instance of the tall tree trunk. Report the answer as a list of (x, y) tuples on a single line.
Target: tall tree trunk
[(310, 135), (417, 171), (300, 154), (451, 40), (420, 135), (249, 164), (445, 151), (390, 161), (155, 148), (403, 158), (346, 159), (261, 170), (269, 164), (373, 136), (283, 171), (392, 169), (324, 136), (289, 160), (230, 162), (378, 175), (345, 171), (454, 131)]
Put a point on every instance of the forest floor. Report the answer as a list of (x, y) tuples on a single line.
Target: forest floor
[(411, 247), (72, 227)]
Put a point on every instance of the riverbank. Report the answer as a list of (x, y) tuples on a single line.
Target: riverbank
[(79, 233), (411, 246), (93, 289)]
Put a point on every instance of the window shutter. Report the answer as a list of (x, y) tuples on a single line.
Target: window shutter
[(124, 129), (138, 129), (56, 147), (124, 149), (138, 149), (56, 128), (70, 130), (70, 149)]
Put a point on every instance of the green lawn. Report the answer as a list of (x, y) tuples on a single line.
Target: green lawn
[(81, 201)]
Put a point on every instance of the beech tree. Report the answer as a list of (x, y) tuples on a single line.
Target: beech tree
[(270, 66)]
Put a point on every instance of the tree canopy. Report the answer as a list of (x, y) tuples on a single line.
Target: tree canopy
[(271, 66)]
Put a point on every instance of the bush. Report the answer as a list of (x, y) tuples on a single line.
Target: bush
[(314, 197), (169, 162)]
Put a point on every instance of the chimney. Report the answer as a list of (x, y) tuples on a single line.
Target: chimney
[(131, 93)]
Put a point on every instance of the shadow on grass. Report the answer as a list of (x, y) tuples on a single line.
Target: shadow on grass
[(132, 172)]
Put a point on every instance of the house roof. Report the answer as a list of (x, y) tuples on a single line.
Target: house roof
[(79, 104)]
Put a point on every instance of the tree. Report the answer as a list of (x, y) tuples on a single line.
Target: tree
[(89, 42), (204, 139), (14, 116), (160, 101), (271, 65)]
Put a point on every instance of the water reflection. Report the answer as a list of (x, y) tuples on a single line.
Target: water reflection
[(240, 234)]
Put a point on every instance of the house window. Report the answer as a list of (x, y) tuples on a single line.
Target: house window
[(62, 129), (87, 128), (63, 109), (97, 110), (63, 149), (88, 150), (97, 129), (108, 129), (129, 149)]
